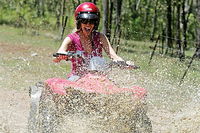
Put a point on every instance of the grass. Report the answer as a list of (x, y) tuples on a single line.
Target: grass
[(140, 52), (19, 66), (27, 36)]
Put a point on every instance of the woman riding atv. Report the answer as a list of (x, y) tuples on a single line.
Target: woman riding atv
[(87, 40), (87, 100)]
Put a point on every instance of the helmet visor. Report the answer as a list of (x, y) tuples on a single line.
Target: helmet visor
[(88, 16), (86, 21)]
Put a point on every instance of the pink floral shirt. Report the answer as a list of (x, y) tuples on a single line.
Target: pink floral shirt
[(77, 64)]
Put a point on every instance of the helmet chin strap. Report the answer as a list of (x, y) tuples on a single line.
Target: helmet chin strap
[(93, 46)]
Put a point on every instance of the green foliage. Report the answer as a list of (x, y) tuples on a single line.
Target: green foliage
[(192, 29), (136, 18), (22, 13)]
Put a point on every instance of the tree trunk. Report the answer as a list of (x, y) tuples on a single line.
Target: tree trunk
[(37, 5), (178, 30), (198, 27), (63, 12), (147, 10), (118, 19), (184, 22), (105, 17), (138, 4), (42, 7), (93, 1), (58, 13), (105, 4), (169, 25), (163, 40), (154, 22), (111, 18)]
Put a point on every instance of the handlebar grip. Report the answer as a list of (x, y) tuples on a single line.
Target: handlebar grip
[(55, 55), (135, 67)]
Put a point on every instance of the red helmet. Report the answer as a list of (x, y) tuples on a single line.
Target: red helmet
[(87, 10)]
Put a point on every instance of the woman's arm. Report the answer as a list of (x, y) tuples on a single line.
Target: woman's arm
[(108, 48), (63, 48), (65, 45)]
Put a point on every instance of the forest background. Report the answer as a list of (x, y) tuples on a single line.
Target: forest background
[(174, 23)]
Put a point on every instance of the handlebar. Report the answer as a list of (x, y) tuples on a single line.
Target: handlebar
[(79, 54), (70, 54)]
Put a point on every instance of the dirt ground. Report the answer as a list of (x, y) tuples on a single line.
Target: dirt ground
[(17, 74), (13, 111), (14, 101)]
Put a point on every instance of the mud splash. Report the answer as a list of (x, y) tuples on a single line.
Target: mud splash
[(172, 107), (81, 111)]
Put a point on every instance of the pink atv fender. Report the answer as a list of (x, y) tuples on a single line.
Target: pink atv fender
[(92, 84)]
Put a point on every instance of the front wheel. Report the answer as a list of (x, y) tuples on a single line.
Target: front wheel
[(35, 95), (43, 116)]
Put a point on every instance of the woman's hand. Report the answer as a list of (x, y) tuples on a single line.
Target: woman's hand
[(60, 57), (124, 64), (130, 63)]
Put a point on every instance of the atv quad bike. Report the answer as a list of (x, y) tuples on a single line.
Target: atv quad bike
[(91, 104)]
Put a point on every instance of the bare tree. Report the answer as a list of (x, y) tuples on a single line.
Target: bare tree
[(169, 25), (63, 8), (198, 26), (138, 4), (184, 22), (154, 21), (58, 12), (117, 30), (178, 29), (147, 10), (186, 11), (111, 16), (105, 4)]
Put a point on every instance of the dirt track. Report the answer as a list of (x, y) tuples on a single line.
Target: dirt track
[(14, 100), (13, 111), (16, 75)]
